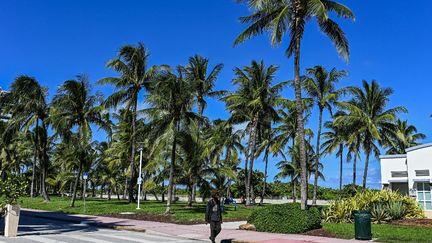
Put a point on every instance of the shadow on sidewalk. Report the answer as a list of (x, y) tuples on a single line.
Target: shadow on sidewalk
[(45, 223)]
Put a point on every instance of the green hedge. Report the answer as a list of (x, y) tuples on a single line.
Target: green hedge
[(285, 218)]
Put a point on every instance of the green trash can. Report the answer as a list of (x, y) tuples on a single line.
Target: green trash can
[(362, 225)]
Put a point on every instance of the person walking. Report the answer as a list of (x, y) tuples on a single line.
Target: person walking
[(213, 215)]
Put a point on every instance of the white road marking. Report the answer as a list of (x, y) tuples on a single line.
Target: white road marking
[(89, 239), (42, 239)]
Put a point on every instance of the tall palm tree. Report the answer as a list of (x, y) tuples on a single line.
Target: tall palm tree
[(367, 110), (198, 72), (135, 75), (224, 140), (254, 101), (403, 137), (74, 106), (28, 107), (335, 139), (289, 17), (203, 79), (320, 86), (171, 99)]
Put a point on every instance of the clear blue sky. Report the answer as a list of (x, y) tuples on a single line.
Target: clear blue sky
[(55, 40)]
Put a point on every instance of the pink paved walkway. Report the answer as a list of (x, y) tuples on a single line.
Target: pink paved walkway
[(187, 231)]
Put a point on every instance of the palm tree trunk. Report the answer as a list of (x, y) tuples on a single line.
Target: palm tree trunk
[(109, 191), (93, 188), (366, 170), (34, 159), (125, 188), (265, 177), (318, 155), (132, 165), (163, 190), (44, 164), (171, 175), (72, 204), (355, 163), (246, 169), (43, 185), (341, 164), (249, 187), (190, 196), (294, 192), (300, 123)]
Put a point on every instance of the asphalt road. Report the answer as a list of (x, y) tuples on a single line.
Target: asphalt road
[(53, 231)]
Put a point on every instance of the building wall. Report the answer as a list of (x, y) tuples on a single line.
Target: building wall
[(419, 159), (391, 164)]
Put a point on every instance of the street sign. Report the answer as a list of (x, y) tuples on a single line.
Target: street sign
[(140, 180), (85, 175)]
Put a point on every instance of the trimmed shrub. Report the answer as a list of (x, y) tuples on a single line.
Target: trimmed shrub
[(385, 205), (285, 218)]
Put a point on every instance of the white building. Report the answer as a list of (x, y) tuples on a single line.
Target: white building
[(410, 174)]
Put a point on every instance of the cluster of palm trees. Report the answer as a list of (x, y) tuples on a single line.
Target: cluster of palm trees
[(160, 111)]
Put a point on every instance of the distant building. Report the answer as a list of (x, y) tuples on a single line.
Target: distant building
[(410, 174)]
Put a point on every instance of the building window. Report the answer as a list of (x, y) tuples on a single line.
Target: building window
[(424, 195)]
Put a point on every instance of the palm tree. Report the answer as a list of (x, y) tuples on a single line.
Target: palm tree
[(293, 169), (74, 106), (403, 137), (254, 102), (367, 111), (335, 138), (171, 100), (28, 107), (135, 75), (289, 17), (203, 79), (268, 146), (224, 140), (320, 86), (197, 71)]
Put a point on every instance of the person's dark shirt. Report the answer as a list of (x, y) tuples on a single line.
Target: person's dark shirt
[(213, 211)]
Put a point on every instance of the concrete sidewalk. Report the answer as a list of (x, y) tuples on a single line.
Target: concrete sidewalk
[(198, 232)]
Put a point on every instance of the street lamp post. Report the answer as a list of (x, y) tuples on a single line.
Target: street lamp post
[(139, 179), (85, 176)]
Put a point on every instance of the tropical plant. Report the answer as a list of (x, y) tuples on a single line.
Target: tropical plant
[(171, 100), (379, 213), (27, 106), (381, 202), (135, 75), (289, 17), (402, 137), (320, 86), (11, 190), (367, 112), (254, 102), (74, 106), (335, 139), (396, 210)]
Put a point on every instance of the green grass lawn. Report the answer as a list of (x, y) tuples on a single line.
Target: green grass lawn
[(385, 232), (104, 207)]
